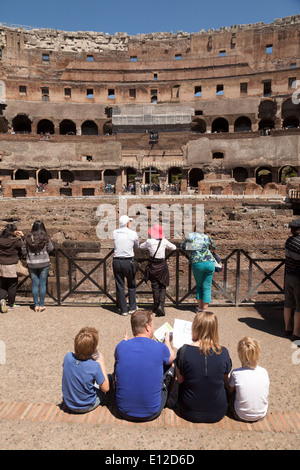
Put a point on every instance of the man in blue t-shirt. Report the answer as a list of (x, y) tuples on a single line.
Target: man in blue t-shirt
[(141, 371)]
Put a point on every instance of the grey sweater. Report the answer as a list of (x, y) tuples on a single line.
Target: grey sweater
[(37, 259)]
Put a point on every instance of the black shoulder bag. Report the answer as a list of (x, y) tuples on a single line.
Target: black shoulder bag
[(147, 269)]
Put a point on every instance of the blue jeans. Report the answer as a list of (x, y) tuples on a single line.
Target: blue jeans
[(203, 274), (39, 283)]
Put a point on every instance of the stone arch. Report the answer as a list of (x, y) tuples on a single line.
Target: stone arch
[(198, 125), (44, 176), (110, 176), (267, 109), (220, 125), (151, 175), (290, 113), (242, 124), (285, 172), (130, 175), (21, 174), (195, 175), (67, 176), (45, 126), (89, 128), (174, 175), (266, 124), (240, 174), (21, 124), (67, 127), (263, 175)]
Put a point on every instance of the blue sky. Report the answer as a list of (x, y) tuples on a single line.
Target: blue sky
[(140, 16)]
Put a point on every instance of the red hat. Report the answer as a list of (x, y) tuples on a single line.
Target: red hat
[(156, 232)]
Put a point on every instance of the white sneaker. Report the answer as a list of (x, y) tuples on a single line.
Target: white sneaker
[(132, 311), (3, 306)]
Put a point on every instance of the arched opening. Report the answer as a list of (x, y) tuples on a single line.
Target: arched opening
[(67, 176), (45, 127), (290, 114), (21, 175), (290, 123), (287, 172), (130, 175), (265, 124), (3, 124), (152, 176), (220, 125), (175, 175), (263, 176), (107, 128), (267, 110), (242, 124), (198, 125), (110, 177), (21, 124), (89, 128), (195, 175), (67, 127), (240, 174), (44, 176)]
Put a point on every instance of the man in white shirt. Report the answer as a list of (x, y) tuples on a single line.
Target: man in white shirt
[(124, 267)]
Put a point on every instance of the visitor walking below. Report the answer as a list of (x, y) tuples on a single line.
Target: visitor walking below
[(158, 267), (10, 251), (124, 267), (292, 281), (37, 246), (200, 247)]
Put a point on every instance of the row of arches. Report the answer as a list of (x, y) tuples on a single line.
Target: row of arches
[(263, 175), (22, 124), (242, 124)]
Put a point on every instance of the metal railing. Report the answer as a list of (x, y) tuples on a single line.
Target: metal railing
[(89, 280)]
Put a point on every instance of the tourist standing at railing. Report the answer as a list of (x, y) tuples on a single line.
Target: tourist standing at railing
[(158, 267), (10, 249), (124, 266), (37, 246), (292, 281), (199, 246)]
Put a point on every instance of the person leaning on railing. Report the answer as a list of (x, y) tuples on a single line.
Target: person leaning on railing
[(292, 281)]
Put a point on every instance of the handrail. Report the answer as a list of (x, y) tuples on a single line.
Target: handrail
[(244, 280)]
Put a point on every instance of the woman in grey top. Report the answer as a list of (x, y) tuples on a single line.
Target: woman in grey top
[(36, 247)]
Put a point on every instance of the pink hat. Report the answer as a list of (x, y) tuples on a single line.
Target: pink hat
[(156, 232)]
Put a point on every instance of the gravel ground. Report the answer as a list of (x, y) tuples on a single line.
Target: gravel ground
[(36, 344)]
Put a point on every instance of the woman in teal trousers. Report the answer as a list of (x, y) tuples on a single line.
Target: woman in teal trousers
[(199, 246)]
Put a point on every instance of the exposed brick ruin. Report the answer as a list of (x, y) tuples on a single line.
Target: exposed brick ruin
[(77, 109)]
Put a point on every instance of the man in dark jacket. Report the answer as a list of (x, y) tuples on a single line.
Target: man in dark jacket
[(10, 246), (292, 281)]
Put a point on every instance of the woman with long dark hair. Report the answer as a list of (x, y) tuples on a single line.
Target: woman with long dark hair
[(37, 246), (10, 248)]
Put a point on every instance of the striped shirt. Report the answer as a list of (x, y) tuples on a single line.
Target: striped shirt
[(292, 256)]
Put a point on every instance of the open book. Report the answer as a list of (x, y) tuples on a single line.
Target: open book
[(182, 332)]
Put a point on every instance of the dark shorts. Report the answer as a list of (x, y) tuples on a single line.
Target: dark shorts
[(292, 292)]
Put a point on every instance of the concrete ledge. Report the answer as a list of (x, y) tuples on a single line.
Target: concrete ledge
[(283, 422)]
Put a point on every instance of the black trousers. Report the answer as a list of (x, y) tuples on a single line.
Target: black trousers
[(125, 269), (159, 293), (8, 289)]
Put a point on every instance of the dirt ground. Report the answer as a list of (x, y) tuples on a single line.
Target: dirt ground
[(36, 343)]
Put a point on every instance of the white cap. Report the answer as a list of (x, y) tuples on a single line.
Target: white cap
[(124, 219)]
